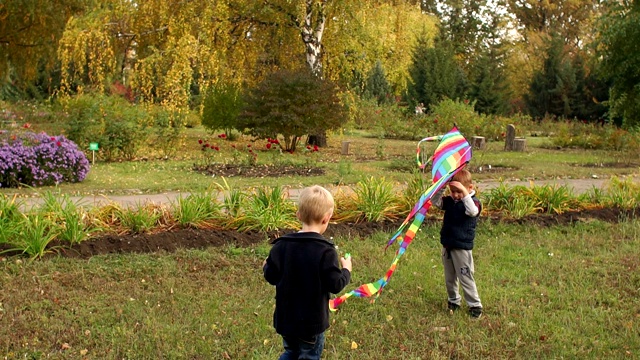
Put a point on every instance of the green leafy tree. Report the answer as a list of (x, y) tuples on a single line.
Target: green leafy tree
[(377, 87), (222, 106), (618, 48), (291, 104), (434, 75)]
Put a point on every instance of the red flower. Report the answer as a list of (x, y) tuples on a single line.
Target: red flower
[(26, 125), (216, 148), (250, 151), (503, 135), (315, 147), (233, 146), (53, 139), (223, 136), (276, 141), (269, 146), (435, 121), (248, 145), (308, 147), (206, 145), (59, 143), (200, 141)]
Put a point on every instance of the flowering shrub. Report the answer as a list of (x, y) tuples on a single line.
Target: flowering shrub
[(40, 160), (209, 152)]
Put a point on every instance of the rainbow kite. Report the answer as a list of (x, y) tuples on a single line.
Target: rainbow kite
[(452, 154)]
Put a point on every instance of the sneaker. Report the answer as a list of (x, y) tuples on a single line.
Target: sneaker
[(475, 312), (452, 307)]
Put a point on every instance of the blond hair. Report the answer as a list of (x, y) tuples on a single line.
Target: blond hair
[(314, 204), (463, 177)]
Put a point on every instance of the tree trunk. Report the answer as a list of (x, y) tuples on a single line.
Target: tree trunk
[(312, 35), (318, 139)]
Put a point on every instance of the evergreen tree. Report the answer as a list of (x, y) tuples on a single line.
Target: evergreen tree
[(377, 87), (553, 89), (488, 89), (618, 49), (434, 75)]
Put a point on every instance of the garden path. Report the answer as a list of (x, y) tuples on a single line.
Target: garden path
[(578, 186)]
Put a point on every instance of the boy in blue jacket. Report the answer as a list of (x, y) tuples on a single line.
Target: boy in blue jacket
[(461, 211), (304, 268)]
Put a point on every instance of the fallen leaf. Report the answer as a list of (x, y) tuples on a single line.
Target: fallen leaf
[(84, 352), (389, 317), (354, 345), (65, 346)]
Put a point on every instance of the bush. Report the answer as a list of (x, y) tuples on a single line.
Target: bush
[(292, 104), (118, 126), (40, 160)]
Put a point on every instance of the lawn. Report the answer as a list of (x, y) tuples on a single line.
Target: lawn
[(549, 293), (392, 159)]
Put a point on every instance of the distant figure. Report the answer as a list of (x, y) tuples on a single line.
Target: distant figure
[(420, 109), (304, 268)]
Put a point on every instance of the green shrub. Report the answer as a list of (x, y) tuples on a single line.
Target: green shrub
[(118, 126)]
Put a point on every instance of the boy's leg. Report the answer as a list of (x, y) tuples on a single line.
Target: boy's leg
[(311, 349), (291, 348), (450, 277), (463, 262)]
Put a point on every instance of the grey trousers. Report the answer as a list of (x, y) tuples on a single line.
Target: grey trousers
[(458, 269)]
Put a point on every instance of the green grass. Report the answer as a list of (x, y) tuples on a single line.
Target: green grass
[(156, 175), (549, 293)]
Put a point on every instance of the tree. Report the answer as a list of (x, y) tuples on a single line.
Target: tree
[(560, 87), (376, 86), (222, 106), (434, 75), (29, 33), (618, 48), (291, 104)]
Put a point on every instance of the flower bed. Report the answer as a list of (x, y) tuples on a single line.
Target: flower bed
[(40, 160)]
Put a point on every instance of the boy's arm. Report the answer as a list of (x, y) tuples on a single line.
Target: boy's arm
[(471, 207), (270, 271), (335, 278), (436, 199)]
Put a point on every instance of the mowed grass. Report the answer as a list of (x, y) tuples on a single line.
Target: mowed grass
[(566, 292), (389, 158)]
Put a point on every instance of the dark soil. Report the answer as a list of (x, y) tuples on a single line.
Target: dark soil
[(612, 165), (169, 241), (230, 170)]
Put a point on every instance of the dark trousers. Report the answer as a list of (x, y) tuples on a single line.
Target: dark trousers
[(296, 348)]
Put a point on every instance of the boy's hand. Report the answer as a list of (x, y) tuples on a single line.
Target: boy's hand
[(346, 262), (458, 186)]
